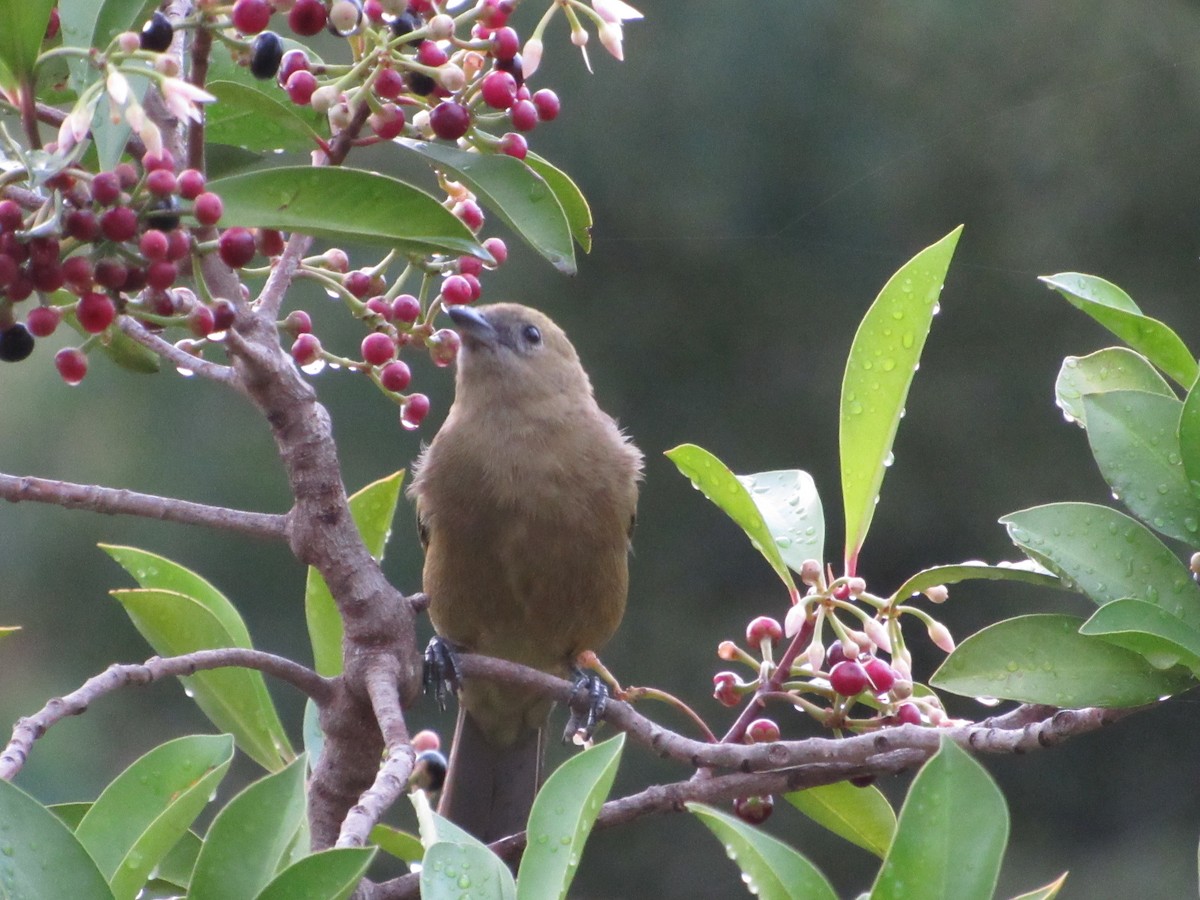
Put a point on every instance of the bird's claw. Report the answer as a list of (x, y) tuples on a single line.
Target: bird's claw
[(580, 727), (440, 674)]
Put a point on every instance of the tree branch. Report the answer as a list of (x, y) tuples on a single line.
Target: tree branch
[(117, 501), (29, 729), (175, 356)]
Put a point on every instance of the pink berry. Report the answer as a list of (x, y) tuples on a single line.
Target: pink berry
[(162, 183), (763, 628), (119, 224), (848, 678), (378, 349), (505, 43), (425, 740), (456, 290), (292, 61), (82, 225), (298, 322), (754, 810), (154, 244), (389, 84), (476, 287), (95, 312), (523, 115), (153, 161), (251, 16), (161, 274), (200, 321), (514, 145), (106, 188), (395, 376), (374, 11), (357, 283), (387, 122), (306, 349), (236, 247), (497, 248), (414, 411), (908, 714), (308, 17), (43, 320), (450, 120), (381, 307), (78, 273), (762, 731), (495, 13), (498, 89), (470, 214), (432, 55), (881, 674), (406, 308), (301, 86), (269, 241), (443, 346), (191, 184), (178, 245), (46, 277), (546, 103), (207, 208), (725, 688), (71, 364)]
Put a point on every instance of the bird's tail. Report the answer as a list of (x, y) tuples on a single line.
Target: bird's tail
[(489, 790)]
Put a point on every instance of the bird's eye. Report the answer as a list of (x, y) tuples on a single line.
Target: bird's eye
[(532, 335)]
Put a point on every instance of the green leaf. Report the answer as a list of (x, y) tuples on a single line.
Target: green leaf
[(21, 37), (791, 508), (562, 817), (1135, 440), (1189, 439), (862, 816), (444, 867), (249, 840), (253, 120), (1049, 892), (397, 843), (70, 814), (86, 23), (344, 204), (976, 570), (570, 198), (144, 812), (313, 736), (328, 875), (1044, 659), (435, 828), (1113, 308), (234, 699), (1107, 555), (373, 509), (6, 630), (1148, 630), (1111, 369), (176, 867), (514, 191), (710, 476), (771, 869), (951, 834), (879, 372), (40, 859)]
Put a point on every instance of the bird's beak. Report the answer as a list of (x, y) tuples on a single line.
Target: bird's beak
[(472, 324)]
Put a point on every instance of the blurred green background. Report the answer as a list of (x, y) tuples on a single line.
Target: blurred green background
[(757, 171)]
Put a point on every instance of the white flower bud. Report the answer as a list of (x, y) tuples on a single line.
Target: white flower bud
[(531, 56), (940, 635), (937, 593)]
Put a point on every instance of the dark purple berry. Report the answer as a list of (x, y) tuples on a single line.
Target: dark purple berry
[(16, 343), (157, 33), (266, 55)]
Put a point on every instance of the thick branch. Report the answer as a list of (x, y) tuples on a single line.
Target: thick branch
[(29, 729), (116, 501)]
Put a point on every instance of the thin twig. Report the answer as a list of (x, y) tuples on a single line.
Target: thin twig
[(178, 358), (29, 729), (282, 273)]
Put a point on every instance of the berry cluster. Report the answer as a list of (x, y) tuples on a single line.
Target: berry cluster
[(831, 682)]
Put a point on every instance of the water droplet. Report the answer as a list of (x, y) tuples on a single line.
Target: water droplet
[(316, 367), (987, 701), (888, 364), (854, 408), (783, 543), (907, 339)]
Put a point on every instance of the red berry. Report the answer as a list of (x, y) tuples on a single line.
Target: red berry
[(497, 248), (269, 241), (53, 25), (153, 161), (835, 655), (514, 145), (495, 13), (11, 216), (178, 245), (763, 628), (47, 277), (162, 183), (380, 307), (546, 103), (432, 55), (387, 122), (476, 287), (191, 184), (72, 364), (201, 321), (251, 16), (111, 273), (19, 288), (762, 731), (154, 244), (106, 188), (224, 314), (406, 308), (498, 89), (306, 349), (298, 322), (725, 688), (443, 346), (307, 17), (357, 283), (378, 349), (908, 714), (389, 84), (236, 247), (207, 208), (754, 810), (374, 12), (95, 312), (395, 376), (848, 678), (456, 290), (43, 320), (450, 120), (82, 225), (881, 674), (470, 214), (9, 270), (300, 87), (161, 274), (119, 224), (505, 43), (523, 115), (470, 265), (292, 61), (414, 411), (78, 272)]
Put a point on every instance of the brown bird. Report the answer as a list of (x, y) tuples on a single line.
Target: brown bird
[(526, 500)]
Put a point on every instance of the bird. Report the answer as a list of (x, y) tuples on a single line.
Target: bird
[(526, 501)]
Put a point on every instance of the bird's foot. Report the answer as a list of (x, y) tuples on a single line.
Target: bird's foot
[(440, 674), (581, 727)]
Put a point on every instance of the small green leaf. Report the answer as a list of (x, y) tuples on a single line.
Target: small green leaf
[(1189, 439), (344, 204), (1135, 440), (86, 23), (710, 476), (514, 191), (951, 834), (176, 867), (313, 736), (1148, 630), (435, 828), (145, 811), (862, 816), (791, 508), (1116, 311), (444, 868), (40, 859), (328, 875), (234, 699), (70, 814), (570, 198), (373, 509), (1049, 892), (1107, 555), (879, 372), (397, 843), (562, 817), (21, 37), (1111, 369), (976, 570), (249, 840), (250, 119), (1044, 659), (771, 869)]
